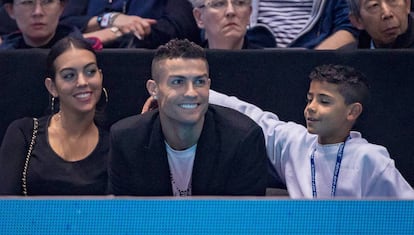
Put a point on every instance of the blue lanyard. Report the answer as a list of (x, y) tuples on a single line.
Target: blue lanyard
[(336, 171)]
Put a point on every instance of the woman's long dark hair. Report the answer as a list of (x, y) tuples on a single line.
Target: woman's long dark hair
[(58, 49)]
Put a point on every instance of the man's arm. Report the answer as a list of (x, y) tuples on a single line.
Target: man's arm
[(177, 22), (344, 32), (118, 168), (337, 40), (268, 122), (249, 176)]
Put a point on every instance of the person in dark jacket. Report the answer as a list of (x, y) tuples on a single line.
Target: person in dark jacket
[(65, 152), (38, 23), (386, 24), (186, 147), (133, 23)]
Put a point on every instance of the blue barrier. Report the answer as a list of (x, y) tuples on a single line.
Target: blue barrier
[(204, 216)]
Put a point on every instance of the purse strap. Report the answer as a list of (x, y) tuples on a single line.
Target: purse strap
[(29, 153)]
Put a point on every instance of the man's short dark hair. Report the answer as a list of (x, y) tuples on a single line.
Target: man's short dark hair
[(178, 48), (352, 84)]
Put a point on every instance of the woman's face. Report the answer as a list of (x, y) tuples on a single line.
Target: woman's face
[(224, 19), (78, 81), (37, 20)]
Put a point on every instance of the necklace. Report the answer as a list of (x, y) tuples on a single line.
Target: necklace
[(180, 192)]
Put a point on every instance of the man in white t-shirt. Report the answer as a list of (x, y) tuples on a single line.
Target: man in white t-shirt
[(186, 146)]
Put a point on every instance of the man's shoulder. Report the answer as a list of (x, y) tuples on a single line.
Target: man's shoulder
[(231, 118), (141, 121)]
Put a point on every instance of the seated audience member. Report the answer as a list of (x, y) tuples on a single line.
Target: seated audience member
[(225, 23), (133, 23), (326, 159), (388, 24), (186, 146), (64, 153), (38, 23), (313, 24)]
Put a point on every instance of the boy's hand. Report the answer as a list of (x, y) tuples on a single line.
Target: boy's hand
[(149, 105)]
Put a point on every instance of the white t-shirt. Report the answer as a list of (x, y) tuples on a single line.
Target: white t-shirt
[(181, 168)]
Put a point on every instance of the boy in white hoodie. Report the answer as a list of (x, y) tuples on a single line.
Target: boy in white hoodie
[(326, 159)]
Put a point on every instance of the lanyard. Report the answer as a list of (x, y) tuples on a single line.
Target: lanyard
[(336, 171)]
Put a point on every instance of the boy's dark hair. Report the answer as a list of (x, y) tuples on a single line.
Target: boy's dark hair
[(178, 48), (352, 84)]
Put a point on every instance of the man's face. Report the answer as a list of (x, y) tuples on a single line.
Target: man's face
[(36, 19), (182, 90), (326, 112), (384, 20)]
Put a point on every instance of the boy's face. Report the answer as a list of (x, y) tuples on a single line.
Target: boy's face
[(182, 88), (326, 113)]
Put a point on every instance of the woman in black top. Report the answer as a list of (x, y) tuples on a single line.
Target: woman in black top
[(70, 152)]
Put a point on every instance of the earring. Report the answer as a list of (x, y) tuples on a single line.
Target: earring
[(155, 97), (52, 104), (105, 94)]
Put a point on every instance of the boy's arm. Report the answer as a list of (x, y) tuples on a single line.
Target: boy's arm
[(391, 184), (252, 111)]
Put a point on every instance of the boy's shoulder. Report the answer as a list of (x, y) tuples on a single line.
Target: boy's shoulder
[(368, 151)]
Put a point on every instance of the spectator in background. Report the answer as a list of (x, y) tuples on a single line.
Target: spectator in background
[(70, 148), (387, 24), (133, 23), (225, 23), (313, 24), (186, 147), (38, 23)]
